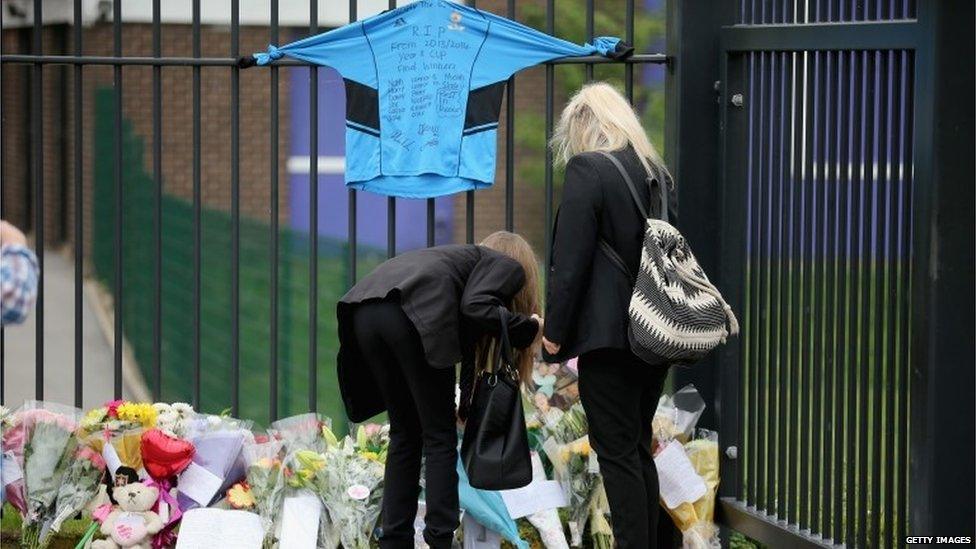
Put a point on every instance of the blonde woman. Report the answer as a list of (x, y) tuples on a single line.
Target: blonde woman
[(402, 329), (586, 305)]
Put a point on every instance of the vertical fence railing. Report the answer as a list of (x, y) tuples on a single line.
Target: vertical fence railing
[(37, 139), (274, 258), (79, 208), (37, 59), (817, 136)]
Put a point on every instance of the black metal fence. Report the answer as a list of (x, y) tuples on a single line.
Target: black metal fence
[(38, 61), (813, 140)]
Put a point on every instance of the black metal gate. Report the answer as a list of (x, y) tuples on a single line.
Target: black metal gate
[(827, 117)]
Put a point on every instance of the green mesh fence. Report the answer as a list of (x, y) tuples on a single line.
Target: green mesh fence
[(177, 349)]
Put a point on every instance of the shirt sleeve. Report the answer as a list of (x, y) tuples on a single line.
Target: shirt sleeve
[(574, 245), (345, 49), (493, 283), (18, 283), (511, 46)]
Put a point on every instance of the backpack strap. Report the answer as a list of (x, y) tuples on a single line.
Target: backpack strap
[(629, 181), (615, 258), (605, 246)]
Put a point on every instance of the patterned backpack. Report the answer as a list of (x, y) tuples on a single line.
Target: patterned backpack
[(676, 315)]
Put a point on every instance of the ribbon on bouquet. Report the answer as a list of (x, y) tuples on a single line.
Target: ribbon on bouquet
[(168, 510)]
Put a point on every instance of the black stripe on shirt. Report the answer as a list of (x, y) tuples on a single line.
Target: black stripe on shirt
[(362, 105), (484, 105)]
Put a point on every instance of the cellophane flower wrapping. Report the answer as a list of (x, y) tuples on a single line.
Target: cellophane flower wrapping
[(301, 469), (601, 533), (351, 487), (13, 438), (702, 451), (219, 442), (568, 449), (79, 486), (675, 420), (305, 438), (302, 432), (48, 450), (265, 478)]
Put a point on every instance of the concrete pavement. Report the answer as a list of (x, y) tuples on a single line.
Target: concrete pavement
[(19, 353)]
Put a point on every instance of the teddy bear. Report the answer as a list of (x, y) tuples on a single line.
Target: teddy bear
[(131, 523)]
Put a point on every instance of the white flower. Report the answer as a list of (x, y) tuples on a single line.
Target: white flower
[(161, 408), (167, 418), (182, 409)]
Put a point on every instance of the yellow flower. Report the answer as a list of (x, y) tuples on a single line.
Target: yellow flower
[(138, 412), (240, 496), (93, 417), (372, 456), (582, 447)]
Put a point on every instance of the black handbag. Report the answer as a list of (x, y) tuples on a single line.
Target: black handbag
[(495, 448)]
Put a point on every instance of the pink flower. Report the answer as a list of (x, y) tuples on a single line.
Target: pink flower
[(372, 429), (91, 455), (28, 418), (113, 407)]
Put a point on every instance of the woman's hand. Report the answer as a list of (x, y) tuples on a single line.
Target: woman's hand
[(551, 348), (542, 325)]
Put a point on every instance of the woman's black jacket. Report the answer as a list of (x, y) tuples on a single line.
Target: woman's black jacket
[(451, 295), (587, 296)]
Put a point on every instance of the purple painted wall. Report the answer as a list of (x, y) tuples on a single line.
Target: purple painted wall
[(333, 202)]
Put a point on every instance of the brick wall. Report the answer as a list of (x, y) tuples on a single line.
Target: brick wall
[(177, 123)]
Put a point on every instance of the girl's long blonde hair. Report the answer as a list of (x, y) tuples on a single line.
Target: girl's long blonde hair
[(599, 118), (526, 301)]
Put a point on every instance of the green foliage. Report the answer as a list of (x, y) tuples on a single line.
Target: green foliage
[(740, 541), (570, 24)]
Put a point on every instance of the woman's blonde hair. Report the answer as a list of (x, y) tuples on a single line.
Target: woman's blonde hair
[(526, 301), (599, 118)]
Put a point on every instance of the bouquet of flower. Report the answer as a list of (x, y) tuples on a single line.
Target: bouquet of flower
[(79, 485), (351, 487), (302, 432), (567, 447), (117, 416), (218, 461), (265, 484), (49, 446), (600, 531), (372, 441), (301, 472), (12, 444), (696, 519)]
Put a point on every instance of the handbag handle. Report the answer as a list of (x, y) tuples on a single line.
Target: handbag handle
[(504, 357)]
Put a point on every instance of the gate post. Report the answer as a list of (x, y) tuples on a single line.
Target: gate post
[(692, 151), (941, 443)]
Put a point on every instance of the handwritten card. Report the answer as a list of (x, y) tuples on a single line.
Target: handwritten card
[(537, 496), (199, 484), (205, 528), (679, 482)]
